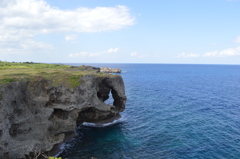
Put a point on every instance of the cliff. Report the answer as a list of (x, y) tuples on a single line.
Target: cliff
[(36, 114)]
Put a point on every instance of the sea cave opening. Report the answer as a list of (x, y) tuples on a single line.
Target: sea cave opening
[(110, 99), (106, 96)]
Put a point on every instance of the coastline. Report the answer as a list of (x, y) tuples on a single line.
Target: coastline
[(42, 104), (102, 123)]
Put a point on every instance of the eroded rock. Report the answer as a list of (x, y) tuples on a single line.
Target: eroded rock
[(110, 70), (37, 115)]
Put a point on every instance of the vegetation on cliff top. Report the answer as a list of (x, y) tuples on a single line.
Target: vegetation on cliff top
[(57, 73)]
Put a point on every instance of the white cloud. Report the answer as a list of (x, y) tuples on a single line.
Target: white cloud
[(113, 50), (141, 56), (71, 37), (187, 55), (23, 46), (21, 20), (211, 53), (223, 53), (237, 39), (84, 54), (38, 16), (90, 54), (134, 54)]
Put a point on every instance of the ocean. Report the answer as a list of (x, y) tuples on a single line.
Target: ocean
[(173, 111)]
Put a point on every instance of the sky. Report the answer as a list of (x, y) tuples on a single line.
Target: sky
[(120, 31)]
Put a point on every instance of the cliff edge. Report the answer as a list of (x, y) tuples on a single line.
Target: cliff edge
[(36, 114)]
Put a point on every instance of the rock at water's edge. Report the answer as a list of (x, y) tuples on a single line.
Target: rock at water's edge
[(110, 70), (35, 116)]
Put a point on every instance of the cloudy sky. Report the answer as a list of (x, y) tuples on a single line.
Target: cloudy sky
[(120, 31)]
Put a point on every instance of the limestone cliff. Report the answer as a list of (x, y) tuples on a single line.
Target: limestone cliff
[(36, 115)]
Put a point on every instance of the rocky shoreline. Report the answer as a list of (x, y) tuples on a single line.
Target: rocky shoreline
[(36, 115), (96, 69), (110, 70)]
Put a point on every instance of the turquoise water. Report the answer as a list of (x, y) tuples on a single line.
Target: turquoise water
[(172, 112)]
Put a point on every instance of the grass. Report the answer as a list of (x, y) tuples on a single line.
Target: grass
[(15, 65), (58, 74)]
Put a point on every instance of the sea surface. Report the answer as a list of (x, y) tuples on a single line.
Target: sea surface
[(172, 112)]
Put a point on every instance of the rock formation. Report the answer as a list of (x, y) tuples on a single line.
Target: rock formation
[(110, 70), (36, 115), (84, 68)]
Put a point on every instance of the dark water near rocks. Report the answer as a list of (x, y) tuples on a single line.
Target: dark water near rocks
[(172, 112)]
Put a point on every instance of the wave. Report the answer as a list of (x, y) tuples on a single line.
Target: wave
[(115, 121)]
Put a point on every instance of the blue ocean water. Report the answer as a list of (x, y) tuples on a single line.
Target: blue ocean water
[(172, 112)]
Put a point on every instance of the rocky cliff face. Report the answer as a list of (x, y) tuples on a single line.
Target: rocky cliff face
[(35, 115)]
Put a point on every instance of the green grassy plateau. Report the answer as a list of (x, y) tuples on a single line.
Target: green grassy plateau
[(58, 74)]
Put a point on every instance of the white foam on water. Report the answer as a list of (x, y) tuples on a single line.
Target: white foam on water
[(63, 146), (67, 144), (119, 120)]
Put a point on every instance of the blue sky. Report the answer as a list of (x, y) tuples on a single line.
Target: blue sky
[(120, 31)]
